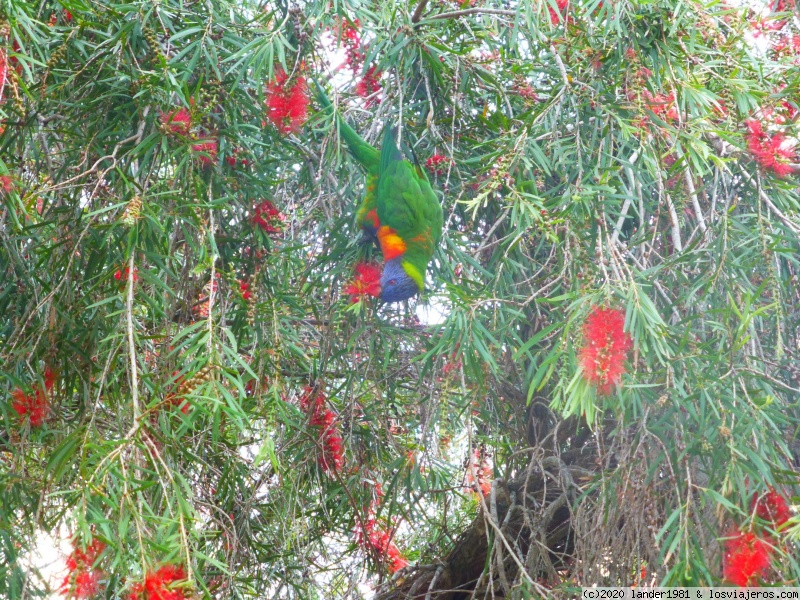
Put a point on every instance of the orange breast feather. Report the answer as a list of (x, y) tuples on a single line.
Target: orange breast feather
[(392, 245)]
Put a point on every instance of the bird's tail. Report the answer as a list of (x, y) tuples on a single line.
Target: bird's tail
[(361, 150), (389, 151)]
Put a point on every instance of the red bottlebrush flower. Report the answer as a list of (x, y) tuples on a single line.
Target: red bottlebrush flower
[(791, 110), (200, 308), (35, 407), (6, 183), (287, 102), (231, 160), (82, 579), (376, 538), (479, 473), (177, 122), (268, 218), (606, 347), (368, 85), (772, 507), (394, 559), (350, 35), (630, 54), (378, 541), (746, 558), (367, 282), (351, 40), (67, 16), (13, 60), (642, 123), (160, 585), (244, 287), (53, 20), (435, 164), (175, 397), (662, 104), (86, 584), (207, 152), (770, 152), (331, 458), (557, 17), (777, 6), (720, 108), (525, 90), (3, 71), (452, 366), (122, 276), (49, 379)]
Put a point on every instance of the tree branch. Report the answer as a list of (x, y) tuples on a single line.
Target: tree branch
[(474, 11), (415, 18), (137, 413)]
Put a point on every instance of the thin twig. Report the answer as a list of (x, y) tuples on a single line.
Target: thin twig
[(687, 177)]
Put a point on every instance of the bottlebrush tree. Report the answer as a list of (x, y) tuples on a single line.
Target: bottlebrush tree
[(202, 396)]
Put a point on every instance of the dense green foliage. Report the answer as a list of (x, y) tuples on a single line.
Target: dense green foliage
[(599, 158)]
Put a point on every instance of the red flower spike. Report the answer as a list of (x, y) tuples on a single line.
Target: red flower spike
[(606, 348), (770, 152), (207, 152), (268, 218), (368, 85), (177, 122), (35, 406), (49, 379), (746, 558), (82, 579), (159, 585), (367, 282), (436, 164), (377, 540), (122, 276), (557, 17), (479, 473), (81, 584), (771, 507), (287, 102), (6, 184), (4, 70), (331, 458), (662, 105), (525, 90)]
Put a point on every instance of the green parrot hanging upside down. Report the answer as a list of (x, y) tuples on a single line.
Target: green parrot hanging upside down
[(411, 222), (399, 209)]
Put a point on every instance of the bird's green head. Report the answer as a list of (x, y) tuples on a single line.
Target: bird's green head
[(399, 281)]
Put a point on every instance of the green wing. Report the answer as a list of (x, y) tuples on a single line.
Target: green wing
[(407, 203), (367, 156)]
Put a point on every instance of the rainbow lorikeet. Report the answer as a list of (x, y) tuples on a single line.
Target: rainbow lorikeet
[(369, 158), (410, 222)]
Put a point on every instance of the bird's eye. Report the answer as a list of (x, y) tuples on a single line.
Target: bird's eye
[(393, 282)]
